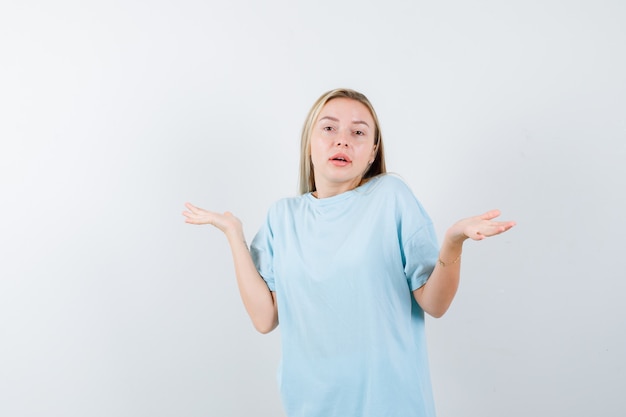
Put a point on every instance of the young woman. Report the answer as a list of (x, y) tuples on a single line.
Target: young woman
[(349, 267)]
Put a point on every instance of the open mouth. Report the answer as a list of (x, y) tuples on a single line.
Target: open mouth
[(340, 158)]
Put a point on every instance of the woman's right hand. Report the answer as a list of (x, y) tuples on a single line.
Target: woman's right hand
[(259, 301), (226, 222)]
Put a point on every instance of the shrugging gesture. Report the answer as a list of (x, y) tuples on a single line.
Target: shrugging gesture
[(345, 307), (256, 296), (479, 227), (226, 222), (437, 294)]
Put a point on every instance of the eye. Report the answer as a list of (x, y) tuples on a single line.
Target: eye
[(327, 128), (359, 133)]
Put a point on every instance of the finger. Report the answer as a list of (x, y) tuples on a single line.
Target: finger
[(191, 207), (189, 215), (491, 214), (503, 226), (508, 225), (497, 228)]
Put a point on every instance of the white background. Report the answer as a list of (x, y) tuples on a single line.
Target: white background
[(115, 113)]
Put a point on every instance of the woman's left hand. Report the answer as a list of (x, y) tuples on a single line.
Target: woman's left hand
[(478, 227)]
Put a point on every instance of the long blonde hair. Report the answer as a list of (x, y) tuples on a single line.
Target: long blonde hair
[(307, 174)]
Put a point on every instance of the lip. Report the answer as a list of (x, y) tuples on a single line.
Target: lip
[(339, 156)]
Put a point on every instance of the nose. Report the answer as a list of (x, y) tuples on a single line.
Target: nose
[(342, 140)]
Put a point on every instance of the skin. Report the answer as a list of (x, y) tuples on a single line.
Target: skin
[(259, 301), (437, 294), (346, 128)]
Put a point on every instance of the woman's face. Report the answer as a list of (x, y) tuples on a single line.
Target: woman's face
[(342, 146)]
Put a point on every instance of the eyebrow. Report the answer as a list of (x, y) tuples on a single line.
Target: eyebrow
[(334, 119)]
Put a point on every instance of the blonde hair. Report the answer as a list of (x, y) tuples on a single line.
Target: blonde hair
[(307, 174)]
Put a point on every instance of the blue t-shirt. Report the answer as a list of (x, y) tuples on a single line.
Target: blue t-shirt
[(343, 269)]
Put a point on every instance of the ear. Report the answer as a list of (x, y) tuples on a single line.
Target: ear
[(373, 155)]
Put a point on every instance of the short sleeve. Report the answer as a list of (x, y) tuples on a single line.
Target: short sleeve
[(420, 253), (262, 252), (417, 236)]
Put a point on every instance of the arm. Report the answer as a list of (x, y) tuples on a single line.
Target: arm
[(259, 301), (437, 294)]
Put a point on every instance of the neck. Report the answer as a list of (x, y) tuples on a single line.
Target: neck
[(331, 190)]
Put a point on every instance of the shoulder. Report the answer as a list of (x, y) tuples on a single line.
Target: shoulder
[(286, 205), (392, 189), (394, 181), (390, 184)]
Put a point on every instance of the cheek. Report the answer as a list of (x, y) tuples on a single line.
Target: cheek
[(368, 152), (373, 153), (316, 147)]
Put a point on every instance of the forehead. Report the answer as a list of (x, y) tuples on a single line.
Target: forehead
[(346, 109)]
